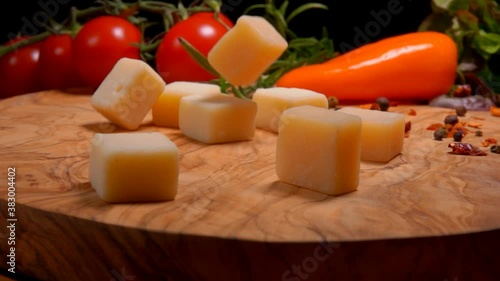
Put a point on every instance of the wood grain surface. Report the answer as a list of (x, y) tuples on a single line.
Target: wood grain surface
[(230, 199)]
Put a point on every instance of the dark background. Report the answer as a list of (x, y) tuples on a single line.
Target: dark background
[(350, 23)]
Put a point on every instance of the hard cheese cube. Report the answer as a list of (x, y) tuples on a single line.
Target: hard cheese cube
[(247, 50), (271, 102), (134, 167), (382, 133), (166, 108), (128, 92), (217, 118), (319, 149)]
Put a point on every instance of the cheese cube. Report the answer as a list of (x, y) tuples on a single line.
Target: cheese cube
[(127, 93), (217, 118), (319, 149), (271, 102), (166, 108), (247, 50), (382, 133), (134, 167)]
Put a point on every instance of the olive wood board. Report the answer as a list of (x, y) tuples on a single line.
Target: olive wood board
[(230, 192)]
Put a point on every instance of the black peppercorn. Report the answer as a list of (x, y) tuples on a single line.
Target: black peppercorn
[(495, 148), (451, 119), (457, 136), (383, 103)]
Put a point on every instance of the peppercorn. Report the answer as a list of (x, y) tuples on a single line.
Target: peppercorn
[(457, 136), (383, 103), (461, 110), (440, 133), (479, 133), (495, 148), (451, 119), (333, 102)]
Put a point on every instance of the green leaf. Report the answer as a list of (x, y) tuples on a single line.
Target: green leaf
[(468, 20), (489, 42), (304, 8), (450, 6), (283, 7), (435, 22), (302, 42), (198, 56)]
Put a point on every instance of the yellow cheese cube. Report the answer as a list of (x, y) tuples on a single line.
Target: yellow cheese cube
[(247, 50), (166, 108), (382, 133), (319, 149), (217, 118), (128, 92), (271, 102), (134, 167)]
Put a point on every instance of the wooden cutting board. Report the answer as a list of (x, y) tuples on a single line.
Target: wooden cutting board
[(230, 192)]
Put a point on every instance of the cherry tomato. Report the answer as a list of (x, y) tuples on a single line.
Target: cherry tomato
[(18, 71), (55, 68), (100, 43), (202, 31)]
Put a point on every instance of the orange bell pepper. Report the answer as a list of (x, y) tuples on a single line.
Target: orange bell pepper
[(412, 67)]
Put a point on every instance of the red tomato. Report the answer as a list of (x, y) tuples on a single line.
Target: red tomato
[(100, 43), (55, 68), (18, 71), (202, 31)]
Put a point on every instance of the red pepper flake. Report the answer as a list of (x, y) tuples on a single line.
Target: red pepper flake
[(458, 127), (370, 106), (474, 124), (460, 148), (407, 129), (434, 126), (412, 112), (487, 142)]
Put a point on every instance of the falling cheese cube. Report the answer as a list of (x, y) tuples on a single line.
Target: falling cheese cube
[(166, 108), (127, 93), (247, 50), (217, 118), (319, 149), (382, 133), (271, 102), (134, 167)]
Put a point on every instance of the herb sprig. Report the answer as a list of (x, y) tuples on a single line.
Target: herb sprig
[(300, 51), (475, 27)]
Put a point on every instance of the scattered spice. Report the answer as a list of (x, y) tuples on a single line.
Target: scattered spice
[(479, 133), (457, 136), (461, 110), (440, 133), (495, 149), (461, 148), (412, 112), (370, 106), (458, 127), (434, 126), (451, 119), (489, 141), (383, 103), (407, 129), (333, 102), (474, 124)]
